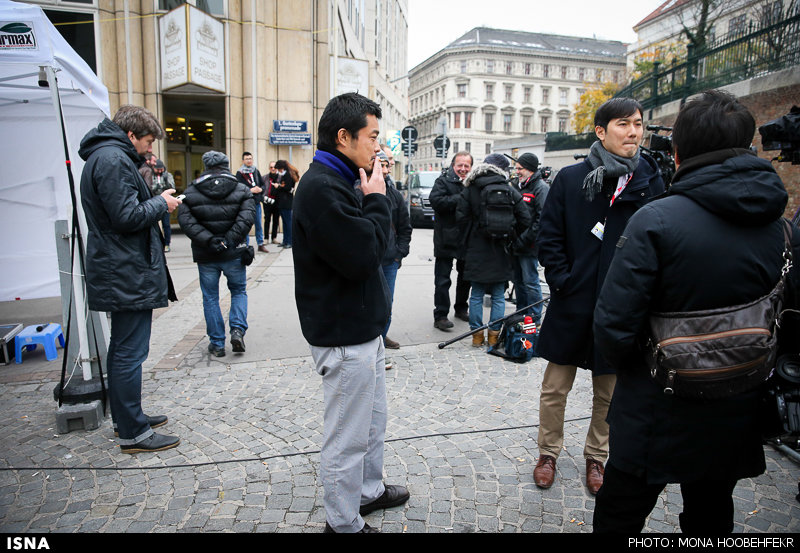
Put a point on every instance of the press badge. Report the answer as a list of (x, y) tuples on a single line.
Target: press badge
[(598, 229)]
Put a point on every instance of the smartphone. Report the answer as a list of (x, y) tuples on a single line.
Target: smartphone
[(181, 197)]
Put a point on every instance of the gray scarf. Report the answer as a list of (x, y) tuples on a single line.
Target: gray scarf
[(605, 164)]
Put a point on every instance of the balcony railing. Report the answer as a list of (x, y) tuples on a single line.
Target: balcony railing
[(751, 53)]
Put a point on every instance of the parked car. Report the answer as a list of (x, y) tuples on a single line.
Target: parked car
[(417, 189)]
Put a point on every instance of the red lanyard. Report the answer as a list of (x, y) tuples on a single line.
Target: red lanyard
[(620, 189)]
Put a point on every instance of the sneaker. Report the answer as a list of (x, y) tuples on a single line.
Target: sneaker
[(216, 352), (392, 497), (155, 442), (443, 324), (154, 422), (237, 341)]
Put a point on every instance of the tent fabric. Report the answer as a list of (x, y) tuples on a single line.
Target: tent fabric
[(34, 184)]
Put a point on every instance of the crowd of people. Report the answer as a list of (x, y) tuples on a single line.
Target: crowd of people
[(615, 242)]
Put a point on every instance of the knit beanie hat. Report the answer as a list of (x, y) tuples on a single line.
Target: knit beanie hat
[(215, 159), (498, 160), (529, 161)]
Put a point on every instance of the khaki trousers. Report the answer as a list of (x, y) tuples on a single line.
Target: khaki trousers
[(556, 384)]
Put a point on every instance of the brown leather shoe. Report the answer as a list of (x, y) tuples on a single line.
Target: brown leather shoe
[(545, 471), (478, 339), (263, 248), (594, 475)]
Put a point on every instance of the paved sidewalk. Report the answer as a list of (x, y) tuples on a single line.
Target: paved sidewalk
[(461, 433)]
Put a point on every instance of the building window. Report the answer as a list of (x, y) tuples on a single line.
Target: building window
[(527, 68), (562, 124), (562, 96), (507, 122), (457, 120), (488, 148), (581, 74), (455, 146), (463, 66), (467, 119), (489, 91), (467, 146), (509, 92), (598, 75), (489, 117), (490, 66), (546, 96), (737, 25), (563, 71), (526, 123), (78, 31), (213, 7), (545, 121), (461, 90), (526, 94), (771, 12), (509, 68), (545, 71)]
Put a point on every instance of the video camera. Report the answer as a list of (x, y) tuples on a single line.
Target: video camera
[(661, 149), (783, 134)]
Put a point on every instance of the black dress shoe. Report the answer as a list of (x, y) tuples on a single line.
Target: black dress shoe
[(367, 529), (237, 341), (463, 315), (392, 497), (155, 421), (390, 344), (216, 352), (443, 324), (156, 442)]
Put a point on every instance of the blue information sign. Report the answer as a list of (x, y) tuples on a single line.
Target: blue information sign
[(290, 138), (280, 125)]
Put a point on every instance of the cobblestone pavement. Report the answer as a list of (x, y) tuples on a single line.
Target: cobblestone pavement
[(461, 436)]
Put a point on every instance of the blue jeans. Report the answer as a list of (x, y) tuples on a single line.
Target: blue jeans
[(353, 431), (286, 217), (127, 350), (236, 275), (527, 286), (498, 310), (390, 272), (167, 229), (257, 223)]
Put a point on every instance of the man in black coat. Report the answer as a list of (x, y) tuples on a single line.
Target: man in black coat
[(526, 247), (249, 175), (126, 271), (340, 238), (715, 240), (448, 242), (586, 210), (216, 216)]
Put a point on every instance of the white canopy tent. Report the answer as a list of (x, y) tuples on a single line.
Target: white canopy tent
[(49, 99)]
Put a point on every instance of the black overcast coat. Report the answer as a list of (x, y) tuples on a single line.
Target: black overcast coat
[(714, 241), (125, 265), (448, 234), (576, 262), (217, 207), (487, 260)]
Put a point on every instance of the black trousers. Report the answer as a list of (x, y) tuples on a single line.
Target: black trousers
[(442, 269), (624, 502), (271, 211)]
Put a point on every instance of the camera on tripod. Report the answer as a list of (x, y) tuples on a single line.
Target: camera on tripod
[(660, 148), (783, 134)]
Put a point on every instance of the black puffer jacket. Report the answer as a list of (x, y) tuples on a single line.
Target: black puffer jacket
[(448, 234), (487, 260), (715, 240), (125, 265), (217, 208), (284, 191)]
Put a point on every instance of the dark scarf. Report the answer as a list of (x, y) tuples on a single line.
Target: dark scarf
[(605, 164)]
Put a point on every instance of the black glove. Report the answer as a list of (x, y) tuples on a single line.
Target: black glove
[(218, 245)]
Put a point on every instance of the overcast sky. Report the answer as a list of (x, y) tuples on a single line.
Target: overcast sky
[(433, 24)]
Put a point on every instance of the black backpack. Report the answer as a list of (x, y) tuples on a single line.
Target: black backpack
[(496, 215)]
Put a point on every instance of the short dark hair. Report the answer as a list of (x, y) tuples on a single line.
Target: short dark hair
[(246, 154), (139, 121), (347, 111), (714, 120), (616, 108), (463, 153)]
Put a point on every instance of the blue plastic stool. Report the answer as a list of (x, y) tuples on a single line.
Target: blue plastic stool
[(29, 338)]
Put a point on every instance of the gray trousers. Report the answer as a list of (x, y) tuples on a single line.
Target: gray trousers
[(354, 428)]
